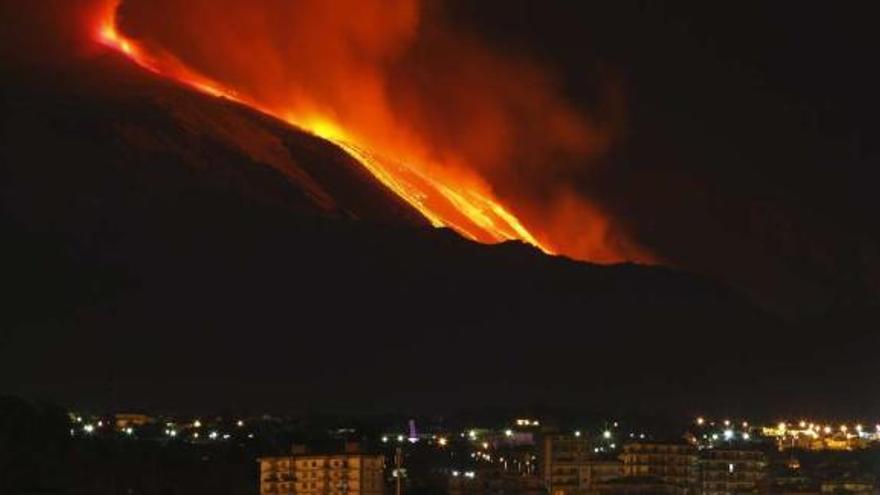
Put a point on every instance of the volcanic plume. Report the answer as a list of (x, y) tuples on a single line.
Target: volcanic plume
[(476, 141)]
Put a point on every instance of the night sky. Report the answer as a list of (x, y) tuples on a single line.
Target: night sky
[(742, 155), (749, 146)]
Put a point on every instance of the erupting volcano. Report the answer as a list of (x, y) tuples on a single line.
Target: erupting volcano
[(422, 205), (434, 116)]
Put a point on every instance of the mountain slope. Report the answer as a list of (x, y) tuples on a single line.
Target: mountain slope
[(173, 248), (109, 112)]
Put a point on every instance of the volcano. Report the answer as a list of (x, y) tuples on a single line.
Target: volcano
[(165, 239)]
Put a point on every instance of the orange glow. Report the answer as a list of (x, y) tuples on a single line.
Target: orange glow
[(451, 178)]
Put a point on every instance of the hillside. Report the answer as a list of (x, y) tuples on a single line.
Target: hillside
[(167, 240)]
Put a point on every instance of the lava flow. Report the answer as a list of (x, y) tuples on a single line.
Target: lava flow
[(467, 208), (446, 139)]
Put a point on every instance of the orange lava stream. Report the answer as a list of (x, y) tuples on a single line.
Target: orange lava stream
[(463, 204)]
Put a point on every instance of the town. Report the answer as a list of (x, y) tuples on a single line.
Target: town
[(519, 455)]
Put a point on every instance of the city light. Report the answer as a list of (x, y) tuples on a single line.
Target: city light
[(712, 436), (800, 434), (527, 422)]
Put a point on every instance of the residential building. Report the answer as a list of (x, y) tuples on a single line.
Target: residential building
[(570, 467), (634, 485), (729, 471), (349, 473), (674, 464), (789, 482)]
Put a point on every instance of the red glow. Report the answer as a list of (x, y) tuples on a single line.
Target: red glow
[(434, 171)]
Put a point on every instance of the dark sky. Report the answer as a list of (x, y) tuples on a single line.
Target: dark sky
[(749, 148)]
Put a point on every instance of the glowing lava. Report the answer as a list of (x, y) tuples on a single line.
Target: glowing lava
[(458, 200)]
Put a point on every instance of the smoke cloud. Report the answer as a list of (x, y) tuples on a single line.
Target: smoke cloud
[(396, 74), (403, 79)]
